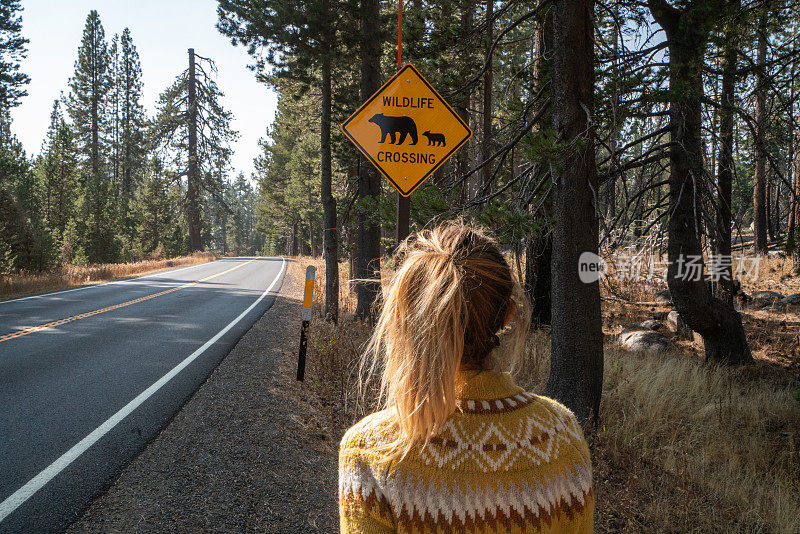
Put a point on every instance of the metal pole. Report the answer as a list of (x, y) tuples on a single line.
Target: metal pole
[(403, 203), (403, 215), (301, 358)]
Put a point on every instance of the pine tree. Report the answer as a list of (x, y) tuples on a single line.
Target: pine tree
[(301, 40), (87, 106), (12, 52), (193, 128), (240, 231), (89, 88), (131, 118), (57, 170), (154, 212)]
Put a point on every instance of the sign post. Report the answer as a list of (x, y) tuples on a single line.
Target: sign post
[(308, 298), (403, 203), (407, 130)]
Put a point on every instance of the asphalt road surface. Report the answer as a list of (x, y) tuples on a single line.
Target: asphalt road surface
[(89, 376)]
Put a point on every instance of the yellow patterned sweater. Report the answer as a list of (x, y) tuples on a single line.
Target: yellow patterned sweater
[(506, 461)]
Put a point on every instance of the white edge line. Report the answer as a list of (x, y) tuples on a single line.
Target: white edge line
[(110, 283), (36, 483)]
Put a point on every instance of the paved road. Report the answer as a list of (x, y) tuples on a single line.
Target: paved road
[(89, 376)]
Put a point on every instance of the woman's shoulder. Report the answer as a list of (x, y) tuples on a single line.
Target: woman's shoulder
[(368, 433), (561, 420)]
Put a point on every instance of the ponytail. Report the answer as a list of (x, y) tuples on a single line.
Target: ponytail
[(442, 311)]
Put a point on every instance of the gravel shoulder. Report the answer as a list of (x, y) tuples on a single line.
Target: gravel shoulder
[(247, 453)]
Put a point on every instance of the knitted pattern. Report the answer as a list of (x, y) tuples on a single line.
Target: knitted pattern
[(505, 462)]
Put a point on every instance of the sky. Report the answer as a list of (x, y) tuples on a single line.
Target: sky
[(163, 31)]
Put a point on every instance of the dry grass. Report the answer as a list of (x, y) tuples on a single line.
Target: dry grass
[(18, 285), (682, 447), (726, 433)]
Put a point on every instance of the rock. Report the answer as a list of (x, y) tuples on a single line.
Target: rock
[(664, 297), (640, 339), (674, 321), (766, 298), (791, 299), (651, 324), (675, 324)]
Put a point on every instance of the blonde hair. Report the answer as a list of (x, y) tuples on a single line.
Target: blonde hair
[(443, 311)]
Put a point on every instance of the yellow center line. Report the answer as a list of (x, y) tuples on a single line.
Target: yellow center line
[(32, 329)]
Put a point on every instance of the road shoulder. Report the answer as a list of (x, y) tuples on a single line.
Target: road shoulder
[(241, 454)]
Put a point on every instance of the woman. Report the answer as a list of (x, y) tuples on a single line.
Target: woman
[(458, 447)]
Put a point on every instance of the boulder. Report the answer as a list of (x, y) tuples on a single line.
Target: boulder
[(664, 297), (675, 324), (766, 298), (651, 324), (639, 339)]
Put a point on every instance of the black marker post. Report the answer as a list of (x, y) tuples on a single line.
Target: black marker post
[(308, 298)]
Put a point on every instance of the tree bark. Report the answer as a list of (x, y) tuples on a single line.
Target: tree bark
[(368, 259), (330, 232), (538, 276), (461, 102), (193, 176), (759, 177), (726, 163), (718, 323), (796, 196), (576, 368), (486, 144), (611, 186), (539, 253)]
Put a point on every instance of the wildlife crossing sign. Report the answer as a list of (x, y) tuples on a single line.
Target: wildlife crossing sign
[(406, 130)]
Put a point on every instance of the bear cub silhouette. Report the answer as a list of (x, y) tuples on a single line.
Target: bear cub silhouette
[(390, 126), (435, 139)]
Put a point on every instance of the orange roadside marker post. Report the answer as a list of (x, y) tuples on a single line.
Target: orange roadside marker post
[(308, 298)]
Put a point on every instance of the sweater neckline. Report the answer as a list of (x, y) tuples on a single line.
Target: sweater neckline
[(485, 385)]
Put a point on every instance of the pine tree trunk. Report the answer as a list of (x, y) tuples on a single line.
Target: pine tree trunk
[(462, 102), (726, 163), (369, 185), (759, 177), (193, 176), (776, 207), (330, 232), (611, 186), (538, 276), (539, 253), (796, 196), (486, 145), (715, 320), (576, 355)]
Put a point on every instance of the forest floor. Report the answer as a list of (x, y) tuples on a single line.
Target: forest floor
[(683, 446), (70, 276)]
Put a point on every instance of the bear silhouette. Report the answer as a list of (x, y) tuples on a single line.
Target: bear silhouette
[(435, 139), (390, 126)]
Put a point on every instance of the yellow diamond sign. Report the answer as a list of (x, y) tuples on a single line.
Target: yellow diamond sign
[(406, 130)]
